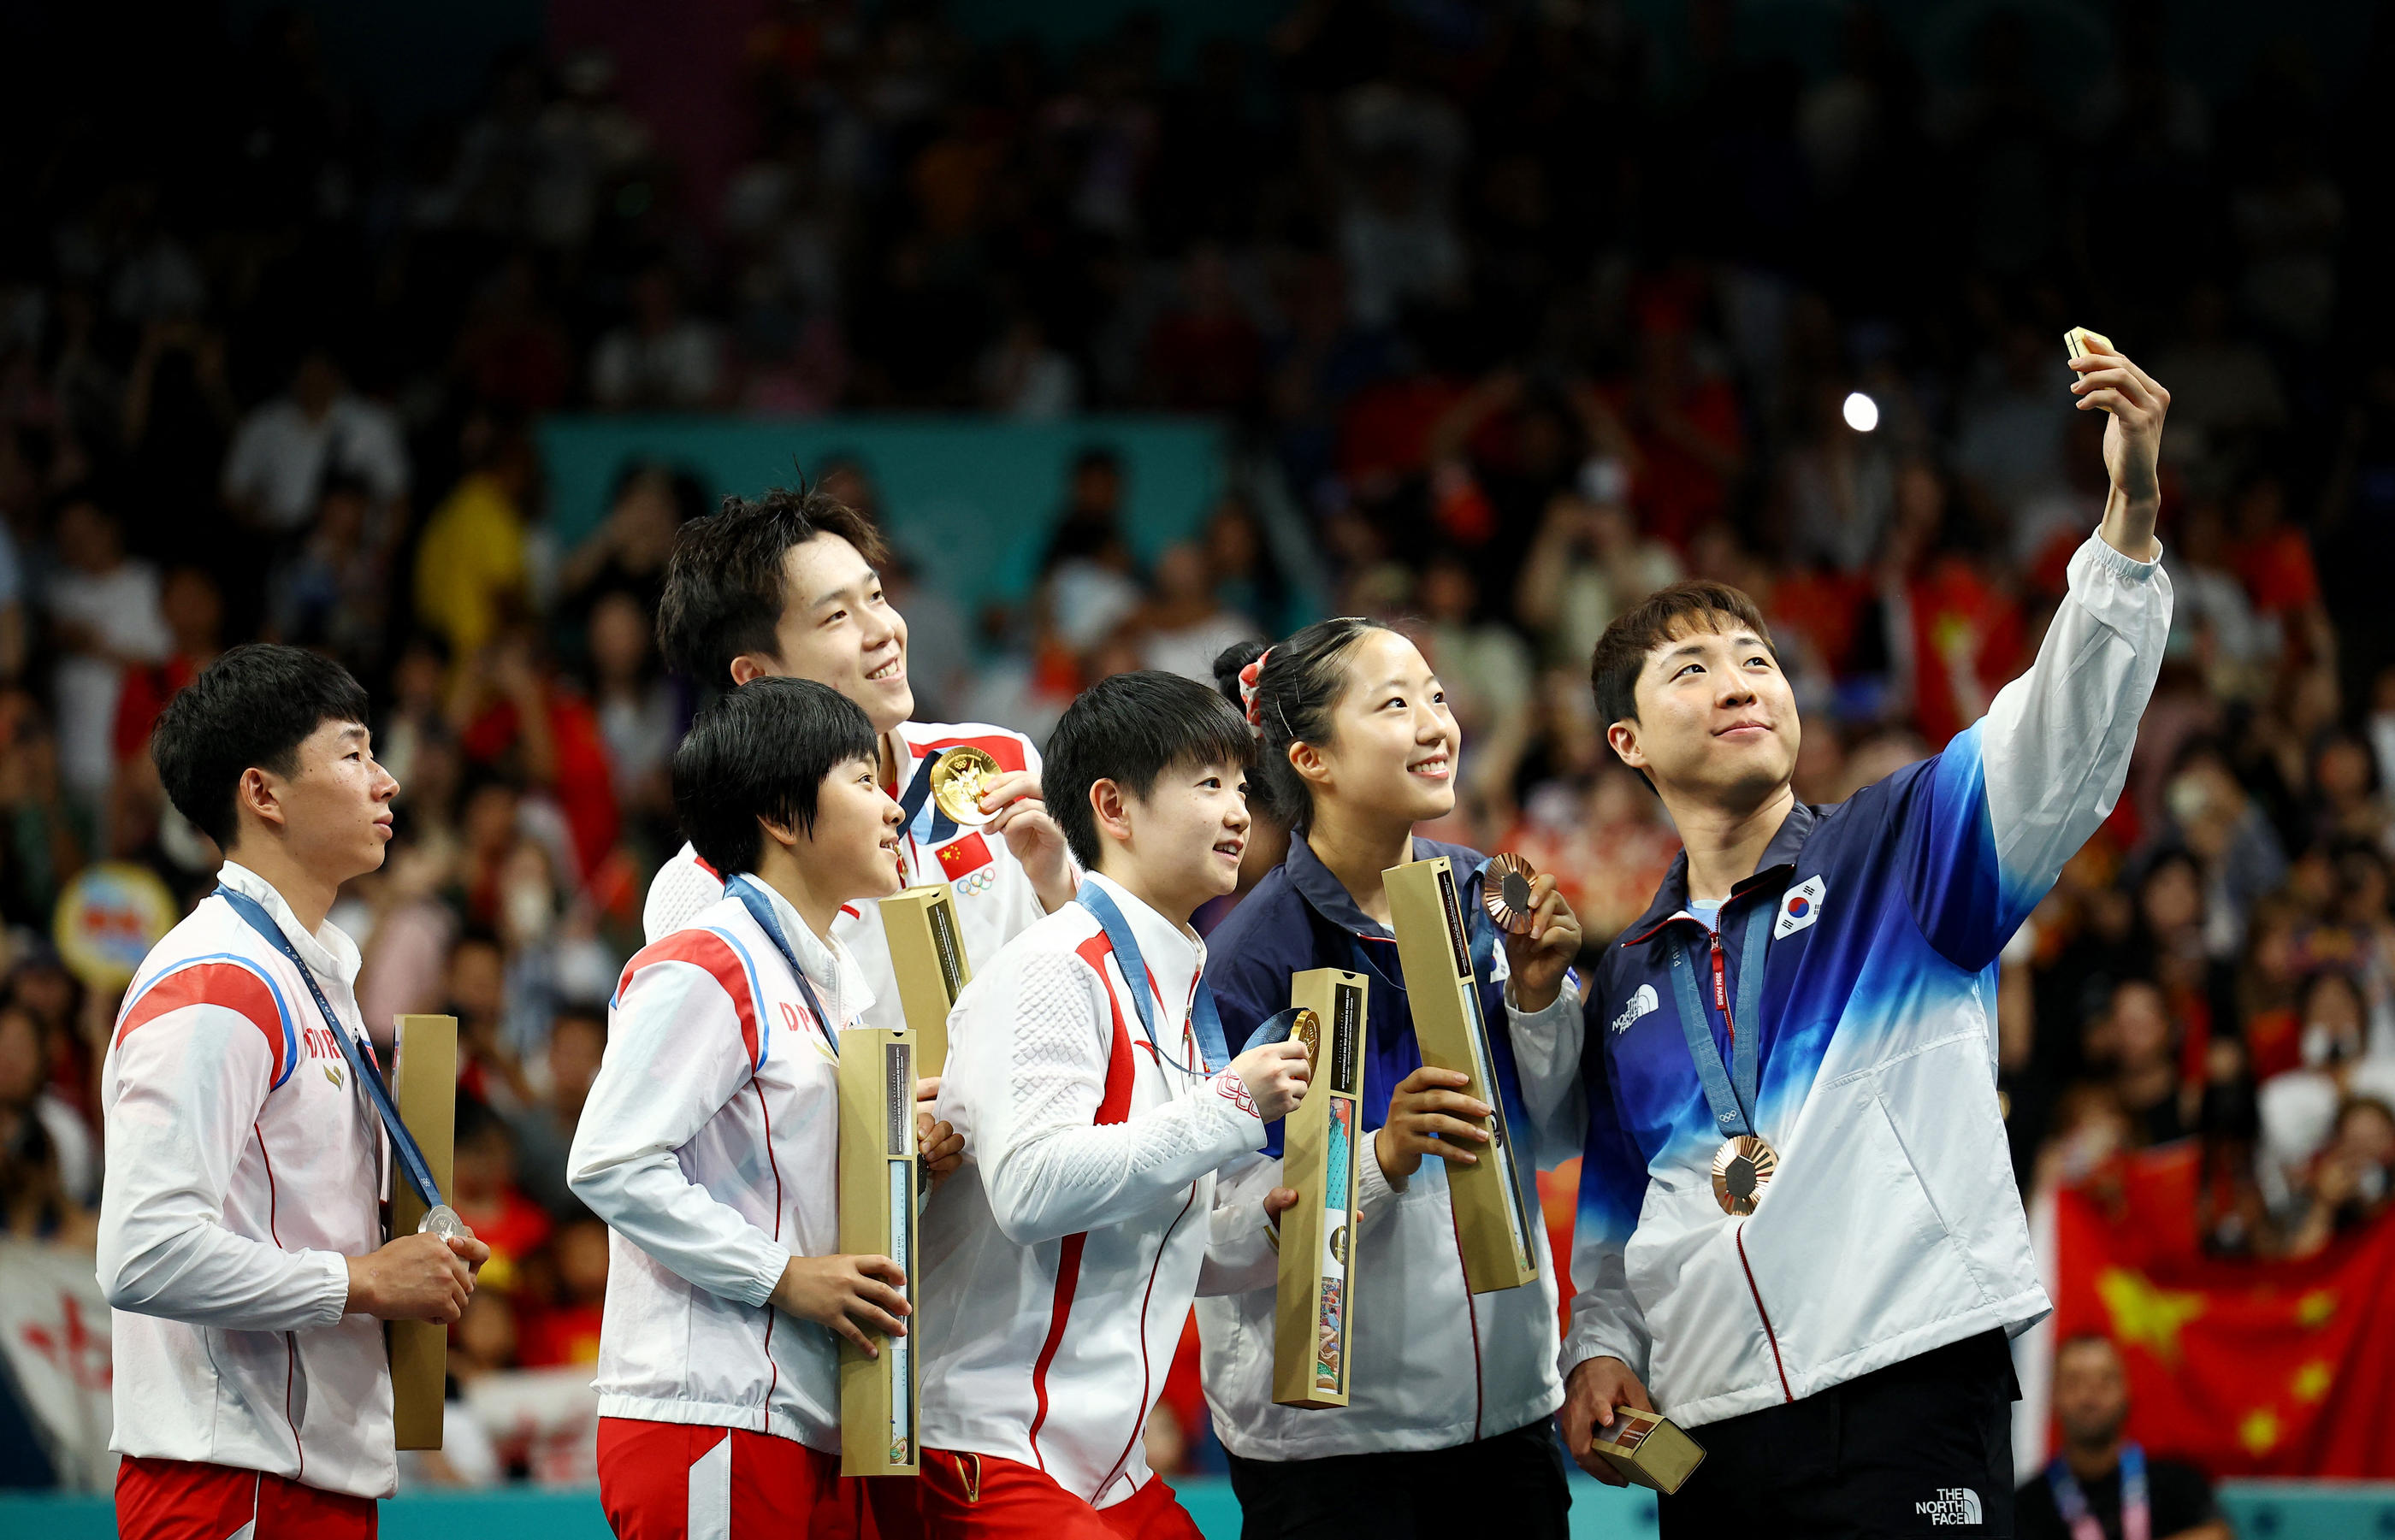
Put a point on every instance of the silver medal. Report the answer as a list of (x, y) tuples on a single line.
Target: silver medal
[(442, 1220)]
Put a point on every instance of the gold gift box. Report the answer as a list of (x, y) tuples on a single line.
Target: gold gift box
[(1492, 1219), (1321, 1141), (1650, 1450), (424, 1089), (927, 951), (877, 1404)]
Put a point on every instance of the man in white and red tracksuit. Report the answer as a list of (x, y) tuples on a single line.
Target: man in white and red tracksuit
[(787, 586), (241, 1235)]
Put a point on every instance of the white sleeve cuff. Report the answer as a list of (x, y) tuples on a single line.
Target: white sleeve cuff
[(332, 1302), (1375, 1189)]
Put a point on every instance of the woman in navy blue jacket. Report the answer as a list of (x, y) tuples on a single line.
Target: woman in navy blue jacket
[(1450, 1392)]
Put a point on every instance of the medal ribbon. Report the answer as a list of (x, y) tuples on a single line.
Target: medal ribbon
[(760, 909), (2136, 1508), (1205, 1017), (1728, 1090), (920, 807), (403, 1143)]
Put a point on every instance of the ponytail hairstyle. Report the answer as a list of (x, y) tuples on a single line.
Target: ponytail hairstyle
[(1287, 692)]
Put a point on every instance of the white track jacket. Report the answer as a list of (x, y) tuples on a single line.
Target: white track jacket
[(710, 1145), (243, 1170), (1060, 1261)]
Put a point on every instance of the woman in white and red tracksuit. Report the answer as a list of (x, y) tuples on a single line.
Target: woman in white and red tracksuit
[(710, 1140), (1060, 1264)]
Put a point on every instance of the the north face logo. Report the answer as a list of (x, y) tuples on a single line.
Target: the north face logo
[(1640, 1004), (1954, 1504)]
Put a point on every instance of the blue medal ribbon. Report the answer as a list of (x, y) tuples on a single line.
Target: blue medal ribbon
[(1729, 1091), (410, 1154), (2136, 1504), (760, 909), (919, 806), (1205, 1017)]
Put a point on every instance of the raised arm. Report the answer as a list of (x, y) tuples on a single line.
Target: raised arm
[(2017, 794)]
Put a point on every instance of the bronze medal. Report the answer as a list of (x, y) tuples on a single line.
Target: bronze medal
[(1742, 1168), (959, 778), (1505, 893)]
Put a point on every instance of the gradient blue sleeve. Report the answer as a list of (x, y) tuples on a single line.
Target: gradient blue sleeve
[(1986, 826)]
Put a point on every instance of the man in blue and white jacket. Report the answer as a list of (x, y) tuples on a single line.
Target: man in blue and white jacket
[(1799, 1225)]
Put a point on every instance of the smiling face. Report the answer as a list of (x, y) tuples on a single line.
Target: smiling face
[(1181, 841), (1716, 719), (335, 807), (838, 628), (1394, 743), (853, 852)]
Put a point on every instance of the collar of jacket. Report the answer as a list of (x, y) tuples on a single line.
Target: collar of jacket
[(1320, 888), (1779, 860)]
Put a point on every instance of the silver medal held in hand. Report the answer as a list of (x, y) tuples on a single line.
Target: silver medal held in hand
[(442, 1220)]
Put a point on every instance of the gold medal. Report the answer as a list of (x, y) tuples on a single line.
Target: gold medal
[(1308, 1028), (959, 778), (1505, 893), (1742, 1168)]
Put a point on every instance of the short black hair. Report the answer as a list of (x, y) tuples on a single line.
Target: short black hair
[(1130, 728), (725, 586), (1298, 691), (760, 751), (254, 707)]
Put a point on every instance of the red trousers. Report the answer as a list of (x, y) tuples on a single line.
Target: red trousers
[(185, 1500), (983, 1497), (671, 1481)]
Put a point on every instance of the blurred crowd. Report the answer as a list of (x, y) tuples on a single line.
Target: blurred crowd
[(1520, 324)]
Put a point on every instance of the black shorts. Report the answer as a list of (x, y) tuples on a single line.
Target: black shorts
[(1921, 1447), (1511, 1485)]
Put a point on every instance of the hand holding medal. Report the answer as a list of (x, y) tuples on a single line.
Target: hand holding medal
[(977, 792), (1543, 935)]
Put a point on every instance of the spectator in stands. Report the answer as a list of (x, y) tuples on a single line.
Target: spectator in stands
[(105, 616), (2135, 1042), (2101, 1483), (285, 449), (1185, 626), (544, 1131), (483, 1189), (659, 358), (627, 553), (2353, 1180), (49, 1170), (640, 720), (1588, 564), (470, 568), (333, 592)]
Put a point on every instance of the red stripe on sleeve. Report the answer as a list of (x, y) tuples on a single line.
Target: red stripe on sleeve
[(706, 950), (1113, 1107), (227, 985)]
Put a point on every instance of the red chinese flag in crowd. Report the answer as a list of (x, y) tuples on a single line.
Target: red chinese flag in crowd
[(2247, 1368)]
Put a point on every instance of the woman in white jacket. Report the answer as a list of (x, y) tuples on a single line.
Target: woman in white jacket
[(1450, 1392), (710, 1140)]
